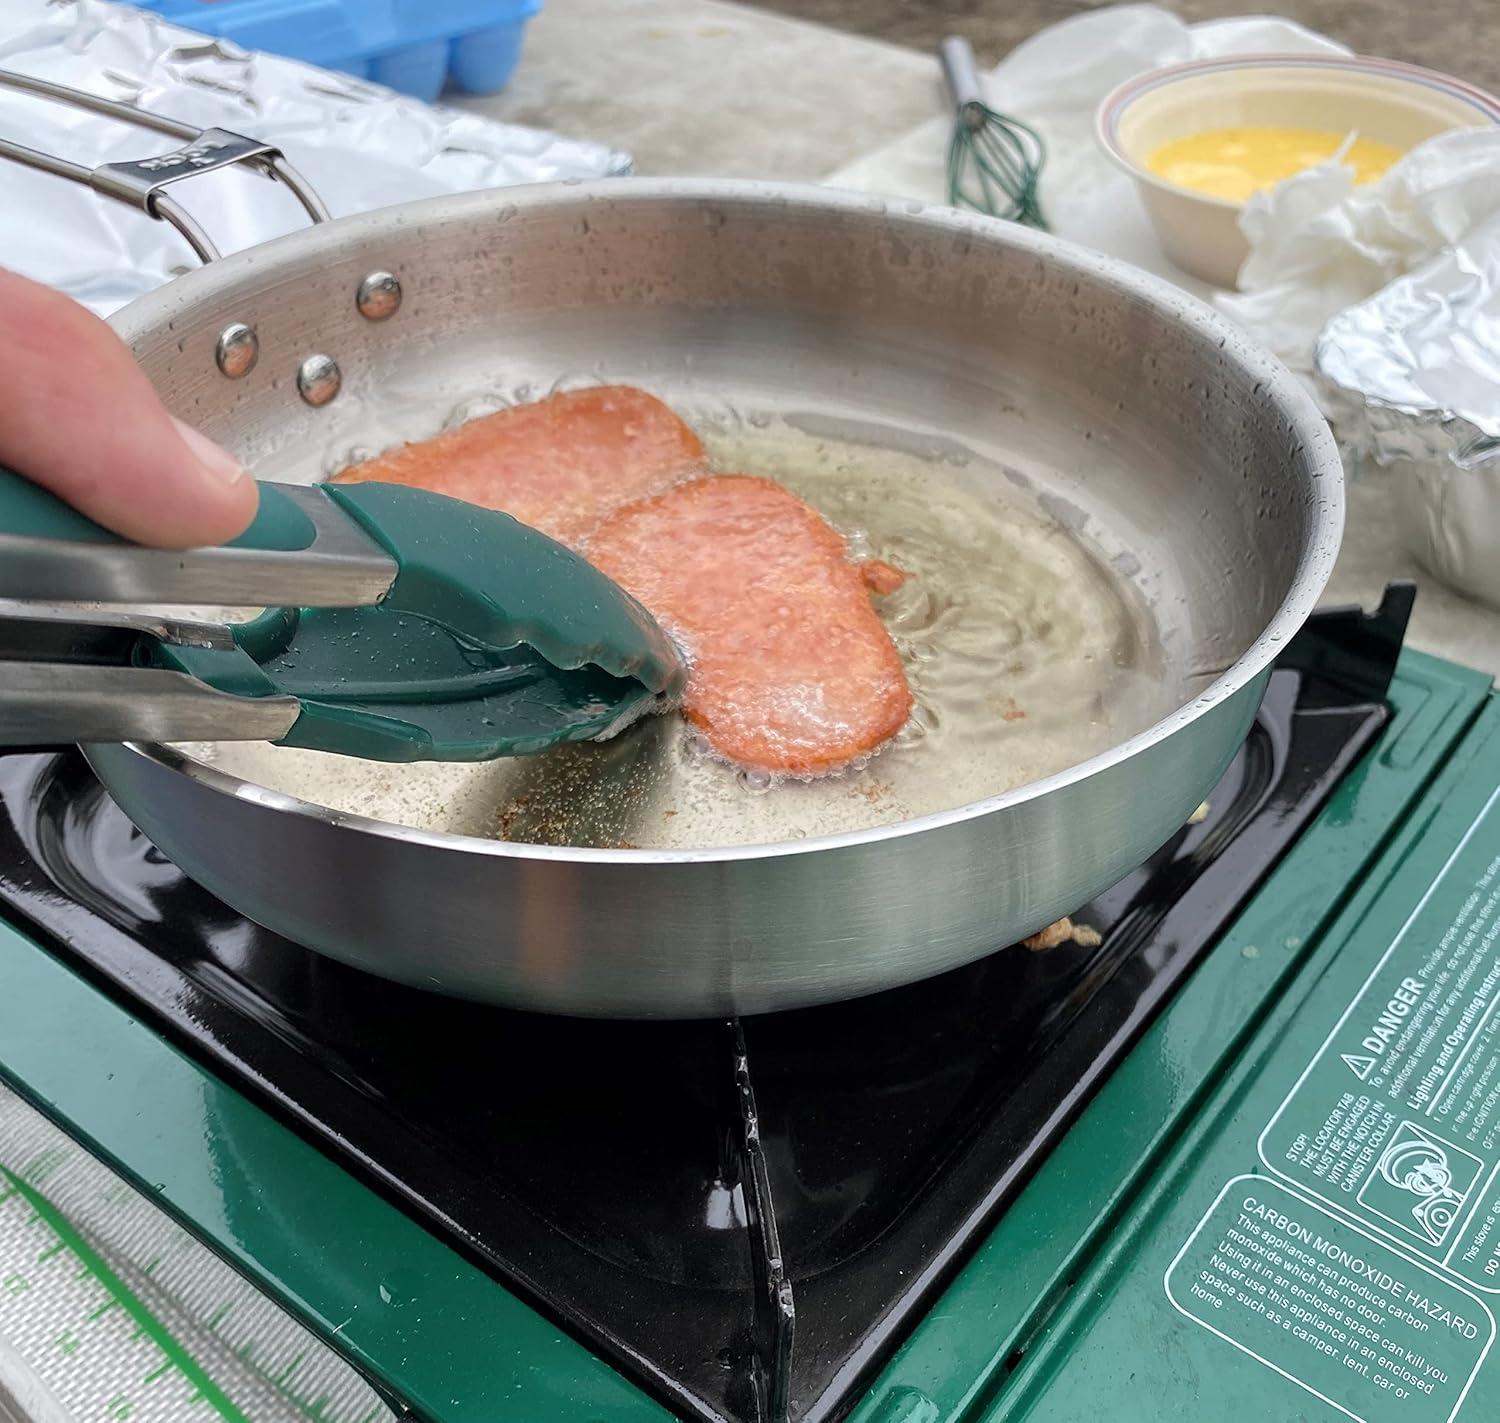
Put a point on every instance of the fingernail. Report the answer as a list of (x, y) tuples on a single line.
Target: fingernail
[(214, 458)]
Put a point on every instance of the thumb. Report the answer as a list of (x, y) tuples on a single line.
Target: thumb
[(79, 417)]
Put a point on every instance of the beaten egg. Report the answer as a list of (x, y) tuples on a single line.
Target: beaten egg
[(1233, 163)]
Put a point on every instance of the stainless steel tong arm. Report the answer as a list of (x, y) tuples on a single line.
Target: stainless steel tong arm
[(67, 675), (340, 567), (73, 673)]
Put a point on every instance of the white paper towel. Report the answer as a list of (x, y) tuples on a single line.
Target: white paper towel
[(1319, 244)]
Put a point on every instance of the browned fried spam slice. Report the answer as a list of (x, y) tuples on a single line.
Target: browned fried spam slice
[(561, 464), (882, 577), (791, 670)]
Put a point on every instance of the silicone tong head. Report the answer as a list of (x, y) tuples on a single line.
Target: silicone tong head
[(492, 641), (389, 685), (499, 582), (488, 639)]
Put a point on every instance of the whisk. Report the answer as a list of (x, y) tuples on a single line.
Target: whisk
[(994, 161)]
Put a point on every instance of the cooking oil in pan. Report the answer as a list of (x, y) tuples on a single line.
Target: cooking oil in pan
[(1026, 652)]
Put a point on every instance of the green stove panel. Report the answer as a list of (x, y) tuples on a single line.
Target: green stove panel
[(1323, 1236)]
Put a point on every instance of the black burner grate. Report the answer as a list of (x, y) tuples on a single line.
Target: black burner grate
[(621, 1175)]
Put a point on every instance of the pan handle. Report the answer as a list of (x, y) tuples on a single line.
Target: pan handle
[(141, 183)]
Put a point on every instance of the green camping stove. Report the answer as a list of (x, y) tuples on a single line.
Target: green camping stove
[(1232, 1150)]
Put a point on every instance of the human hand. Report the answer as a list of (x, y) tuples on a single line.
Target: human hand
[(79, 417)]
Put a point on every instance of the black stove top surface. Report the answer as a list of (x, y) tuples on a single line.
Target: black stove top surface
[(744, 1216)]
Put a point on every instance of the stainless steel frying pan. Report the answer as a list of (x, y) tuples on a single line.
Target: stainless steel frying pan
[(1131, 409)]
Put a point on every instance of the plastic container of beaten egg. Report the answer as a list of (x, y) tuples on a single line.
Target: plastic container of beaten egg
[(1388, 103)]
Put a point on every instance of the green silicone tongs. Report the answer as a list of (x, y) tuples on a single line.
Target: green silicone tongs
[(400, 625)]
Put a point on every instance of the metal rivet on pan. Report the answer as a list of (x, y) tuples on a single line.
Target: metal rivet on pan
[(237, 350), (318, 379), (378, 297)]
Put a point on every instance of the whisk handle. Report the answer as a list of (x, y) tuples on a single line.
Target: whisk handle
[(962, 74)]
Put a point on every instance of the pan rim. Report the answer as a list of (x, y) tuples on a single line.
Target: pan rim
[(1307, 427)]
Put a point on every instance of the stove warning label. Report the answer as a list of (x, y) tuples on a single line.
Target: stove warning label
[(1421, 1184), (1373, 1333), (1396, 1121)]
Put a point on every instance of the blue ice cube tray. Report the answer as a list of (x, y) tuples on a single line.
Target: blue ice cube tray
[(414, 46)]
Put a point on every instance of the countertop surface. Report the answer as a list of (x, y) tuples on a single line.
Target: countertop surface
[(1456, 36), (718, 89), (712, 89)]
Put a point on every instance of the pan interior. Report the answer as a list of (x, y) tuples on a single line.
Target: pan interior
[(1026, 646), (1100, 510)]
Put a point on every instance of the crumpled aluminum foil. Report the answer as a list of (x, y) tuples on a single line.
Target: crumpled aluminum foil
[(1412, 378), (361, 146)]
